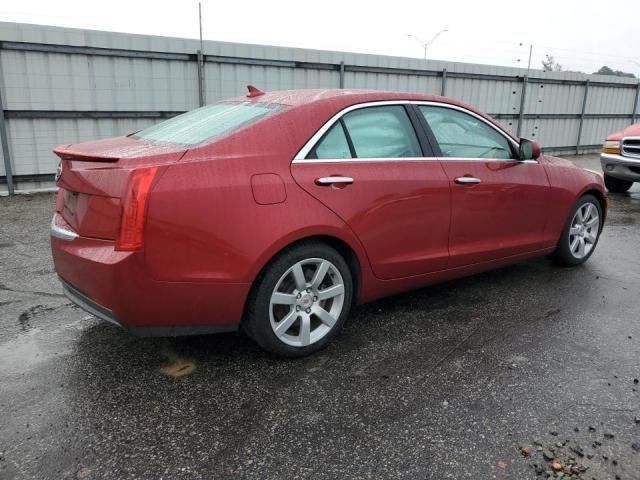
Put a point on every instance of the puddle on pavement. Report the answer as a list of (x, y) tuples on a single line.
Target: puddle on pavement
[(25, 351), (34, 346)]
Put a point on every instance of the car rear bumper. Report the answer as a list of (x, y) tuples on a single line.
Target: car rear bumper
[(617, 166), (88, 305), (116, 287)]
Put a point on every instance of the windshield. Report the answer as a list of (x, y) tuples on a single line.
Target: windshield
[(206, 123)]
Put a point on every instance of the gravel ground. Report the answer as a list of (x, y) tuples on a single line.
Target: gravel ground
[(444, 382)]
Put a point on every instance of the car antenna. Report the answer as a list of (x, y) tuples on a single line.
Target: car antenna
[(253, 91)]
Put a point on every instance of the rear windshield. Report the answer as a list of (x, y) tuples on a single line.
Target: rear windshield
[(206, 123)]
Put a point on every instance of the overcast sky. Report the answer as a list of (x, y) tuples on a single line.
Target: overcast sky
[(582, 35)]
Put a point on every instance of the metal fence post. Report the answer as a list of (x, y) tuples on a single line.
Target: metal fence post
[(584, 107), (5, 145), (341, 74), (443, 88), (523, 96), (634, 114), (201, 96)]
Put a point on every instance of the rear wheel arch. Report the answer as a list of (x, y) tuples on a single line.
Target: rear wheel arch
[(341, 246), (309, 287)]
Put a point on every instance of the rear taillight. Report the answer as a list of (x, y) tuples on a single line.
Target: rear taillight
[(134, 210)]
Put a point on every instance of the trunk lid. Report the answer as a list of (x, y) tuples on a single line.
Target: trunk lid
[(94, 178)]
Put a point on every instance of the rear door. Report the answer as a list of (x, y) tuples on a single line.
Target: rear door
[(372, 168), (499, 205)]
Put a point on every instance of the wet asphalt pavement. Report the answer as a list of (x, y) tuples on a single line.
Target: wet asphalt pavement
[(444, 382)]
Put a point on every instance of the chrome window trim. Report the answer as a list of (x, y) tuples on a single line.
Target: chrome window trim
[(409, 159), (365, 160), (311, 143)]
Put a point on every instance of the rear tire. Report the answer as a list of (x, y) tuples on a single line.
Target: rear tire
[(301, 301), (616, 185), (581, 233)]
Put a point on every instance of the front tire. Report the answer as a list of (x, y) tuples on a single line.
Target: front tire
[(616, 185), (300, 301), (581, 232)]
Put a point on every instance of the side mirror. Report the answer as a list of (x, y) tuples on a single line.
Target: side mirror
[(529, 150)]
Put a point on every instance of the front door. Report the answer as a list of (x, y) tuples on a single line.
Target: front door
[(499, 204), (371, 169)]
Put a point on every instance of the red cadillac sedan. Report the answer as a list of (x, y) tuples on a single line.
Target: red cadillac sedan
[(277, 212)]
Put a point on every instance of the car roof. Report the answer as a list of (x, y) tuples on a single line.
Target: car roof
[(337, 99), (343, 96), (306, 96)]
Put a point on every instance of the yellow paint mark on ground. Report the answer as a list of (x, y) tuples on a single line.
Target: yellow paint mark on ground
[(178, 366)]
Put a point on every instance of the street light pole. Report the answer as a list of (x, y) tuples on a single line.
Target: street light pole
[(426, 45), (422, 44)]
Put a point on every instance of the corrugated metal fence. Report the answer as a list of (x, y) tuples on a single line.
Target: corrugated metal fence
[(61, 85)]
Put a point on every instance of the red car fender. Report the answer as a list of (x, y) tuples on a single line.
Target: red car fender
[(365, 279), (568, 183)]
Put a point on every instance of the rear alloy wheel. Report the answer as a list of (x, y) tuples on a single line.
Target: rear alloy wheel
[(616, 185), (301, 301), (581, 233)]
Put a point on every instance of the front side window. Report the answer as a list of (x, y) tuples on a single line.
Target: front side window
[(465, 136), (382, 132), (207, 123)]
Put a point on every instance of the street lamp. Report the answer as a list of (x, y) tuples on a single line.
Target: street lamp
[(426, 45)]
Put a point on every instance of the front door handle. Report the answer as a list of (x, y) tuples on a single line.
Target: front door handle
[(467, 180), (326, 181)]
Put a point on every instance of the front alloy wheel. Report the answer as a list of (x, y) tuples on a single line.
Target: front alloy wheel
[(584, 230), (300, 301), (581, 232)]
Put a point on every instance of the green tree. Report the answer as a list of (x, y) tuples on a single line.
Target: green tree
[(549, 64), (604, 70)]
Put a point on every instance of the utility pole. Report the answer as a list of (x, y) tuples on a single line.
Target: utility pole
[(201, 90), (523, 92), (530, 55), (200, 22)]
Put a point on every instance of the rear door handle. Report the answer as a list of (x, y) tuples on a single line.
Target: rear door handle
[(467, 180), (326, 181)]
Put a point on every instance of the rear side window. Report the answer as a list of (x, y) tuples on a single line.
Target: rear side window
[(465, 136), (382, 132), (333, 145), (207, 123), (370, 132)]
